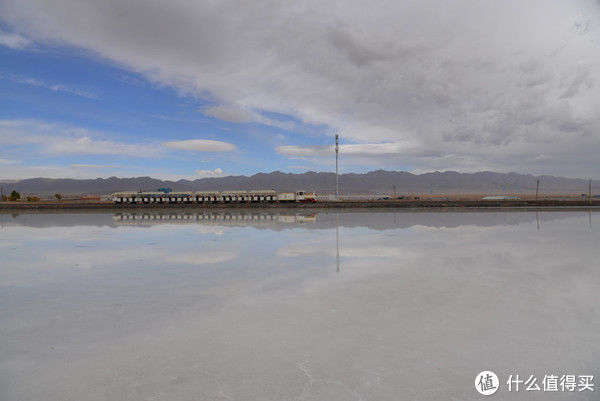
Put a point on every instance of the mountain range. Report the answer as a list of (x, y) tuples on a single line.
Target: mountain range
[(378, 181)]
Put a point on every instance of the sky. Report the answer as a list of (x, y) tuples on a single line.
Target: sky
[(185, 90)]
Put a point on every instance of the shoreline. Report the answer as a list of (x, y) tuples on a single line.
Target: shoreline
[(401, 204)]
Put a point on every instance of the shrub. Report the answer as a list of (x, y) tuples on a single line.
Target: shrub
[(3, 198), (58, 197), (14, 196), (33, 199)]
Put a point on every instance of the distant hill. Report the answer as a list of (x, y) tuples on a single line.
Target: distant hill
[(368, 183)]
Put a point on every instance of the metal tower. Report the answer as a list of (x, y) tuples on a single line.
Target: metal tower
[(337, 148)]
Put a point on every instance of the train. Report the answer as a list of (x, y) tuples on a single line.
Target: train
[(208, 197)]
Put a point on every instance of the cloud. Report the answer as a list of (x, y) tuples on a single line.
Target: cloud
[(363, 149), (229, 114), (95, 166), (87, 146), (210, 173), (59, 139), (237, 115), (380, 155), (201, 145), (165, 175), (294, 151), (18, 171), (467, 84), (73, 91), (21, 79), (31, 142), (14, 41), (208, 257)]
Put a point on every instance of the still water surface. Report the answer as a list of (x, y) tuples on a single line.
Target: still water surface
[(287, 305)]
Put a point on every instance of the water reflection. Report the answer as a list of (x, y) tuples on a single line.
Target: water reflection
[(226, 217), (337, 242), (272, 305), (327, 219)]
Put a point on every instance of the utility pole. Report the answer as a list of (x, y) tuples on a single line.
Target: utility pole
[(590, 191), (337, 148), (394, 191), (537, 190)]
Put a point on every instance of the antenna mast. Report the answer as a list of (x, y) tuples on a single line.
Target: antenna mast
[(337, 138)]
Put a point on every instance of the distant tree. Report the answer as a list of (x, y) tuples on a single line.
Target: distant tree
[(33, 199), (14, 196), (58, 197), (3, 198)]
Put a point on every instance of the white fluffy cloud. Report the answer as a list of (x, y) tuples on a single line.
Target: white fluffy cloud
[(218, 172), (468, 84), (27, 140), (201, 145)]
